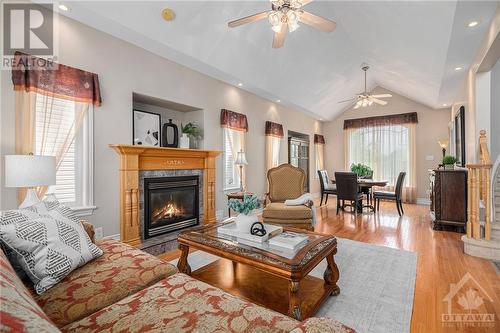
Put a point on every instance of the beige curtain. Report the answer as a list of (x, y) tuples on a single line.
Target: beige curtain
[(388, 150), (272, 152), (44, 126)]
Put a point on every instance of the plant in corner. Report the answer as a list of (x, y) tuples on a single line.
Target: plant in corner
[(245, 208), (190, 130), (449, 161), (362, 170)]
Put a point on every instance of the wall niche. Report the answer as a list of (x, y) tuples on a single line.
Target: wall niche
[(181, 114)]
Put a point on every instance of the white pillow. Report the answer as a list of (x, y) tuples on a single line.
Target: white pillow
[(49, 247)]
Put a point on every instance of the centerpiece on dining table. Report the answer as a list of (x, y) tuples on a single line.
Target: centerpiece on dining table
[(362, 171)]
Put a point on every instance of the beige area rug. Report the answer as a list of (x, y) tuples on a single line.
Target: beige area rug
[(377, 285)]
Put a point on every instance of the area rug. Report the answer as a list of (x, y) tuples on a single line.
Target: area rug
[(376, 283)]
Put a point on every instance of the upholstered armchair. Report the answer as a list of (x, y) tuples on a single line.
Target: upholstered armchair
[(286, 182)]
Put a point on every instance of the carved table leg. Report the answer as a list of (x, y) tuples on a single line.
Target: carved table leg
[(183, 264), (331, 274), (294, 302)]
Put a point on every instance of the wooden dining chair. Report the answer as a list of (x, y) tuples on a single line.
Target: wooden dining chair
[(396, 195), (348, 190), (327, 187)]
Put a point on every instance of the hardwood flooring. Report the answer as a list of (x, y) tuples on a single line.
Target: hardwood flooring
[(441, 262)]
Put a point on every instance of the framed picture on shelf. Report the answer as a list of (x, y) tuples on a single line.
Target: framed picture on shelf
[(146, 128), (460, 136)]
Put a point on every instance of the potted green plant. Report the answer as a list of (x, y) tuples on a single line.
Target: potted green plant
[(449, 162), (245, 208), (190, 130), (362, 170)]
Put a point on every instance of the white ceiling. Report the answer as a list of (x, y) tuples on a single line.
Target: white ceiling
[(412, 47)]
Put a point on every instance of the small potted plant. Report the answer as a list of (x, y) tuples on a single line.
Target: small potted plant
[(246, 216), (362, 170), (190, 130), (449, 162)]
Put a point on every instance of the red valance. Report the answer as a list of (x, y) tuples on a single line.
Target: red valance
[(233, 120), (393, 119), (30, 73), (274, 129), (319, 139)]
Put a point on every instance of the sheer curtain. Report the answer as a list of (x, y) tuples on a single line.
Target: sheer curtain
[(388, 149), (319, 144), (274, 134)]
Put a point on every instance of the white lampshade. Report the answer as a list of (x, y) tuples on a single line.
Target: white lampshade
[(241, 158), (29, 170)]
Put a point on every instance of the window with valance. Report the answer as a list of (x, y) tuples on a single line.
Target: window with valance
[(234, 127), (387, 144)]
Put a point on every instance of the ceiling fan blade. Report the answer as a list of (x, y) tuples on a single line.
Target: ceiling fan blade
[(378, 101), (248, 19), (317, 22), (305, 2), (279, 37), (382, 96), (348, 100)]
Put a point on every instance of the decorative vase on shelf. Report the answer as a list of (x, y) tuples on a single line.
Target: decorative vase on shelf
[(244, 222), (184, 141)]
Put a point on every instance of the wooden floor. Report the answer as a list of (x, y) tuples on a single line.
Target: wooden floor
[(441, 261)]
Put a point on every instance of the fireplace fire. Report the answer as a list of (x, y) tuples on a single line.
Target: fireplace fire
[(170, 203)]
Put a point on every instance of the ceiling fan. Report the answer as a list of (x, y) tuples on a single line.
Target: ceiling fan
[(365, 99), (284, 16)]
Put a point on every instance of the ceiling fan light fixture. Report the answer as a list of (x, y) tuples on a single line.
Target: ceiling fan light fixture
[(276, 28), (275, 18)]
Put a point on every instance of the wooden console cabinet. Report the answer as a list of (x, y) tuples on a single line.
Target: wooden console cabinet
[(448, 198)]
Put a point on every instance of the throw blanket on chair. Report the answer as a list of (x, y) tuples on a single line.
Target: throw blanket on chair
[(305, 199)]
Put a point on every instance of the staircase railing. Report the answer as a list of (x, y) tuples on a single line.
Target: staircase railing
[(479, 191)]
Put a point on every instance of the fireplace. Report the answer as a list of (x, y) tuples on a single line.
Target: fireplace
[(170, 203)]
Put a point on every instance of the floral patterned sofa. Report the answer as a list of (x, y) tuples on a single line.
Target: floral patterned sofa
[(128, 290)]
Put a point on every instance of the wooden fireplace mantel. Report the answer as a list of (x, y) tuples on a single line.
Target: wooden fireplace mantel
[(134, 159)]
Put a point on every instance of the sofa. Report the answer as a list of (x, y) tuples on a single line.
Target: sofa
[(128, 290)]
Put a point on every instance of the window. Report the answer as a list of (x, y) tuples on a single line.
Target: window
[(74, 174), (233, 142), (386, 149)]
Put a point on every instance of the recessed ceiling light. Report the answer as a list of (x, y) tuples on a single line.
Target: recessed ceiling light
[(278, 101), (63, 7), (445, 104), (240, 84), (472, 24), (458, 68)]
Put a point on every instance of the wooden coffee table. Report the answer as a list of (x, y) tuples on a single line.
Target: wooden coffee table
[(275, 279)]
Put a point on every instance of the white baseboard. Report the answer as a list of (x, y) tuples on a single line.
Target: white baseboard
[(423, 201)]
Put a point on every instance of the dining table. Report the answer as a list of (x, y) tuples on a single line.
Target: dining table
[(366, 186)]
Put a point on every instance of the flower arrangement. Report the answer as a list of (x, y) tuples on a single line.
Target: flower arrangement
[(361, 170), (191, 130), (249, 203)]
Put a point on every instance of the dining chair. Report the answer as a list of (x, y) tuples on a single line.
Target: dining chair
[(396, 195), (348, 190), (327, 187)]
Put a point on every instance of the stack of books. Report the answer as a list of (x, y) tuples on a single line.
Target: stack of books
[(231, 230)]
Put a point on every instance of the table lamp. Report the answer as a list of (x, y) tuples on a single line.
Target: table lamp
[(443, 143), (241, 160), (29, 171)]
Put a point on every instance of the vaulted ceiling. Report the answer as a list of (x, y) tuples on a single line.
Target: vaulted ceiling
[(413, 47)]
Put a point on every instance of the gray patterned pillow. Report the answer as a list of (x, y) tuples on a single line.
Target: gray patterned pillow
[(49, 248)]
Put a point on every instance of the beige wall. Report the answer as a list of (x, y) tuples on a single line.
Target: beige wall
[(484, 60), (123, 69), (432, 126)]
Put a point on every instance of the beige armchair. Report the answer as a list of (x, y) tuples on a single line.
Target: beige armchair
[(287, 182)]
